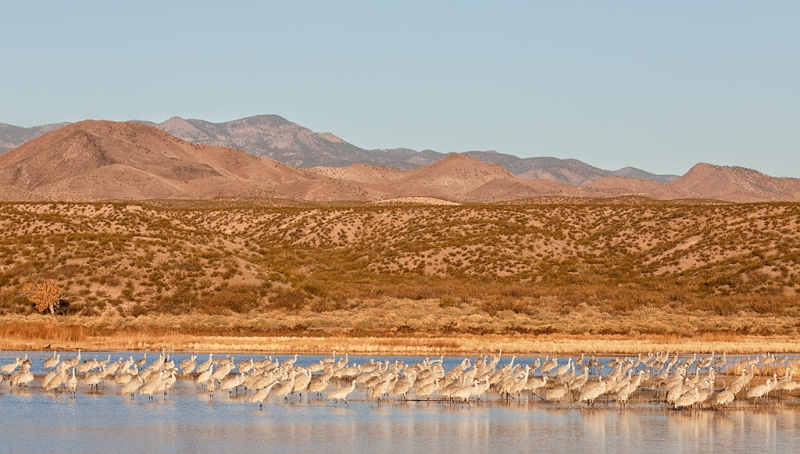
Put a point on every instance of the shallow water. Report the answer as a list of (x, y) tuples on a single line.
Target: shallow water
[(35, 421)]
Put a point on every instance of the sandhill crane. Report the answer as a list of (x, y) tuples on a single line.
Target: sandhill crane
[(328, 360), (719, 363), (559, 371), (56, 382), (481, 389), (112, 368), (592, 363), (767, 359), (790, 386), (341, 394), (86, 366), (557, 393), (427, 389), (403, 385), (221, 372), (547, 366), (11, 367), (383, 387), (724, 398), (760, 391), (132, 386), (227, 361), (260, 395), (187, 365), (231, 383), (318, 384), (339, 364), (705, 362), (316, 367), (533, 366), (625, 393), (463, 392), (743, 380), (141, 362), (205, 376), (287, 363), (688, 363), (148, 389), (536, 383), (246, 366), (49, 376), (689, 398), (52, 361), (265, 380), (94, 379), (125, 377), (301, 382), (20, 378), (578, 381), (580, 361), (167, 383), (784, 381), (210, 387), (592, 391), (675, 392), (284, 389), (72, 362), (72, 384), (104, 362), (519, 385)]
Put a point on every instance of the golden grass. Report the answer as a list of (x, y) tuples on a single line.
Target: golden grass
[(33, 333)]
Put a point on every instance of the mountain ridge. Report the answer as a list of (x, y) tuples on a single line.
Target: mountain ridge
[(275, 137), (105, 160)]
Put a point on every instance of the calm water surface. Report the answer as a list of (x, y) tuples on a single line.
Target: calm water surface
[(186, 421)]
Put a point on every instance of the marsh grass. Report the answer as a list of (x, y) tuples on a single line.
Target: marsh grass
[(203, 333)]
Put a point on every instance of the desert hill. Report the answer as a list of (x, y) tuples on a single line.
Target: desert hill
[(621, 186), (456, 177), (106, 160), (735, 184)]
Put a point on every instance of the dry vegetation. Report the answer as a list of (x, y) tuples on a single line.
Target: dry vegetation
[(630, 267)]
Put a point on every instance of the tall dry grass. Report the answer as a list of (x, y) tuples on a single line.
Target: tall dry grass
[(203, 334)]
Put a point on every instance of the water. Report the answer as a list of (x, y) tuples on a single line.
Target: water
[(35, 421)]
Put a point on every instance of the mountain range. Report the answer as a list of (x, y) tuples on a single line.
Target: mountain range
[(274, 137), (105, 160)]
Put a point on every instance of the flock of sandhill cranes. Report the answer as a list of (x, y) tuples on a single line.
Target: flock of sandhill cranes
[(681, 383)]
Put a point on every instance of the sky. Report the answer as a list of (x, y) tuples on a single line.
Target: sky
[(655, 85)]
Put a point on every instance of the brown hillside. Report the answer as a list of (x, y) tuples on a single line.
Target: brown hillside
[(735, 184), (107, 160), (361, 173), (602, 266), (620, 186), (451, 178)]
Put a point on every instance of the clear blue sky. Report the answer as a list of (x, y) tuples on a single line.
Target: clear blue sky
[(655, 85)]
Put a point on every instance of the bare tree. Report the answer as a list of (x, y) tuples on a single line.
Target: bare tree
[(44, 295)]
